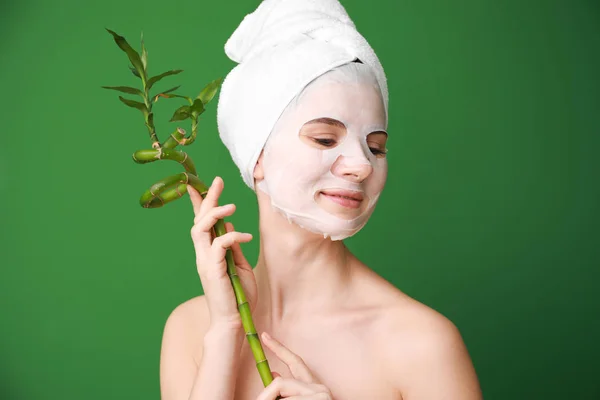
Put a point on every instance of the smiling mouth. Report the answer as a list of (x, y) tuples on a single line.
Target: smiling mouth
[(344, 201)]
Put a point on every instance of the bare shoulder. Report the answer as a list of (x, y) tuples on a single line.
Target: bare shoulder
[(181, 348), (187, 325), (417, 327), (419, 346)]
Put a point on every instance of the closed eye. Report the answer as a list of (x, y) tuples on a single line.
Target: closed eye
[(325, 142), (331, 142), (378, 152)]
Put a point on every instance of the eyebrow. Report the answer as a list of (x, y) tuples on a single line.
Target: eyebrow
[(336, 123), (328, 121)]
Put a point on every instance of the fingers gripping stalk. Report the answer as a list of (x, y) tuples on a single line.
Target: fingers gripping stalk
[(210, 256), (173, 187)]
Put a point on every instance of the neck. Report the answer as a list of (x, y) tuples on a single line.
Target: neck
[(299, 274)]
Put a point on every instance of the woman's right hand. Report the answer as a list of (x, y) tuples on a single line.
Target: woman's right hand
[(210, 257)]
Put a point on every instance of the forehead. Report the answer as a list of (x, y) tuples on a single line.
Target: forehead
[(354, 104)]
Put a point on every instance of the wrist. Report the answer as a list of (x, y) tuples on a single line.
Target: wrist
[(221, 338), (224, 329)]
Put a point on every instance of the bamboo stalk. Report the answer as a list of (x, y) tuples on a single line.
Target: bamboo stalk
[(173, 187)]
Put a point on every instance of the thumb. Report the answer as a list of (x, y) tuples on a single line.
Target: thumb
[(275, 374)]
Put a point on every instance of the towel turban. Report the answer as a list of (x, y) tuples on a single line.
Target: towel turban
[(280, 48)]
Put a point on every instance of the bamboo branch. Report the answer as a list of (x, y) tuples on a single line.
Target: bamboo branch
[(173, 187)]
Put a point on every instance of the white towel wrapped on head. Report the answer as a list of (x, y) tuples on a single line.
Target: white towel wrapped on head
[(281, 47)]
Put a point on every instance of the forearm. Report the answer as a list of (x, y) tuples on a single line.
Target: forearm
[(217, 374)]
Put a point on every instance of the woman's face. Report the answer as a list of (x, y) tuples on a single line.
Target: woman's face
[(332, 143)]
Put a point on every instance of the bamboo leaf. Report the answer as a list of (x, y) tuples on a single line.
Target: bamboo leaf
[(197, 108), (125, 89), (134, 104), (133, 55), (209, 91), (134, 71), (164, 94), (170, 95), (157, 78), (170, 90), (180, 114), (144, 54)]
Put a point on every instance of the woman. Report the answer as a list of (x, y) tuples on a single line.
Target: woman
[(339, 331)]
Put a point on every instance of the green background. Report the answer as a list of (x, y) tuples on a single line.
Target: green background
[(490, 213)]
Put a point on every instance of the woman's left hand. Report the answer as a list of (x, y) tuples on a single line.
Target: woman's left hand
[(304, 386)]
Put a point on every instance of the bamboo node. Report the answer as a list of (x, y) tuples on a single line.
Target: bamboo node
[(177, 140)]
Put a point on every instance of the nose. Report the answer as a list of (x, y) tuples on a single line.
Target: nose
[(353, 168)]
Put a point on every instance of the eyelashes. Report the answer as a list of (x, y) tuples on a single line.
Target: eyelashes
[(331, 142), (325, 142)]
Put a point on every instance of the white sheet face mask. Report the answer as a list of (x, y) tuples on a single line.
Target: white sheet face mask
[(297, 168)]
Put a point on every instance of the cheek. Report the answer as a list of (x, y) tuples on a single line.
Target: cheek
[(305, 162), (293, 164), (378, 177)]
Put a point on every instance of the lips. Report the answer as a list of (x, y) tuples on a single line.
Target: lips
[(345, 198), (352, 195)]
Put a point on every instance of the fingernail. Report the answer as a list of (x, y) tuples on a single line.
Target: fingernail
[(213, 182), (266, 336)]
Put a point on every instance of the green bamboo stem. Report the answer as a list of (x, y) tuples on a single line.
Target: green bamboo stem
[(175, 139), (189, 140), (149, 121), (262, 364), (172, 188)]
